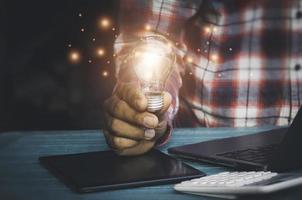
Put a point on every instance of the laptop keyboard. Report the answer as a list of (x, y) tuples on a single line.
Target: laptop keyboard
[(259, 155)]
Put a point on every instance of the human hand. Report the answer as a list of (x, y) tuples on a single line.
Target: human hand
[(129, 128)]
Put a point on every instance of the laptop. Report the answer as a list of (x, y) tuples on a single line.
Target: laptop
[(274, 150)]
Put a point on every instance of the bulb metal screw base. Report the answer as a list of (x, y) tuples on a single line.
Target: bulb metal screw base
[(155, 101)]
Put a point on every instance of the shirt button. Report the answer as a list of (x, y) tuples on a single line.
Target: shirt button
[(297, 67), (299, 14)]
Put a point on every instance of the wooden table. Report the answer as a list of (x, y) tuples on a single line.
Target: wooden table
[(22, 177)]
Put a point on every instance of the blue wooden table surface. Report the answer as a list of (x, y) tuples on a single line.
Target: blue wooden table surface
[(22, 177)]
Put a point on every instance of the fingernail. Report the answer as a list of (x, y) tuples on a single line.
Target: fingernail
[(149, 134), (149, 121)]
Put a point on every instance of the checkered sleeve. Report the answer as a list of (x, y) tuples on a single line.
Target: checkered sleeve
[(139, 18)]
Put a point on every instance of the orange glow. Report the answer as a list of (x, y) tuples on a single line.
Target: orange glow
[(101, 52), (147, 27), (74, 56), (207, 30), (105, 73), (214, 57), (105, 23), (189, 59)]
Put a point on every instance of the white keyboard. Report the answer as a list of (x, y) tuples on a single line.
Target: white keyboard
[(230, 184)]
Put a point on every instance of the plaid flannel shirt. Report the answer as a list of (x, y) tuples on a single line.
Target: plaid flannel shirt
[(239, 61)]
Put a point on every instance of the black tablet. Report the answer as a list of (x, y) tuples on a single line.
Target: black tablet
[(104, 170)]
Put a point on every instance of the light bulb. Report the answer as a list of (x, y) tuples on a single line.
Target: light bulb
[(153, 60)]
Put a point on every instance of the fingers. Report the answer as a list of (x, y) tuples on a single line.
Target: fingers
[(167, 103), (124, 146), (121, 128), (119, 143), (141, 148), (133, 95), (121, 110)]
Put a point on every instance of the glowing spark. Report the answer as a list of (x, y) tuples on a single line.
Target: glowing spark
[(90, 61), (191, 73), (113, 29), (74, 56), (198, 50), (105, 73), (207, 29), (93, 39), (114, 55), (147, 27), (108, 62), (101, 52), (69, 45), (208, 43), (189, 59), (230, 49), (105, 23), (80, 15), (115, 36), (214, 57), (82, 29)]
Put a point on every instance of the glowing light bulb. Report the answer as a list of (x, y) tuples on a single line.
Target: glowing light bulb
[(153, 60)]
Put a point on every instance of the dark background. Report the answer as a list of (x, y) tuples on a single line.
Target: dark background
[(40, 88)]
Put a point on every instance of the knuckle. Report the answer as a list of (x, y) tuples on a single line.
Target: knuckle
[(119, 106), (113, 124), (137, 118), (117, 141)]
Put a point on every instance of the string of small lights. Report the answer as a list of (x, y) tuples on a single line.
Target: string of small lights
[(74, 56), (106, 24)]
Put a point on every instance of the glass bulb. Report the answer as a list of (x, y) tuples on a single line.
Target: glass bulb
[(153, 60)]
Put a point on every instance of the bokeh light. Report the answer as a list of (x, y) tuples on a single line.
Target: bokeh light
[(105, 23), (207, 30), (189, 59), (214, 57), (147, 27), (101, 52), (74, 56), (105, 73)]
